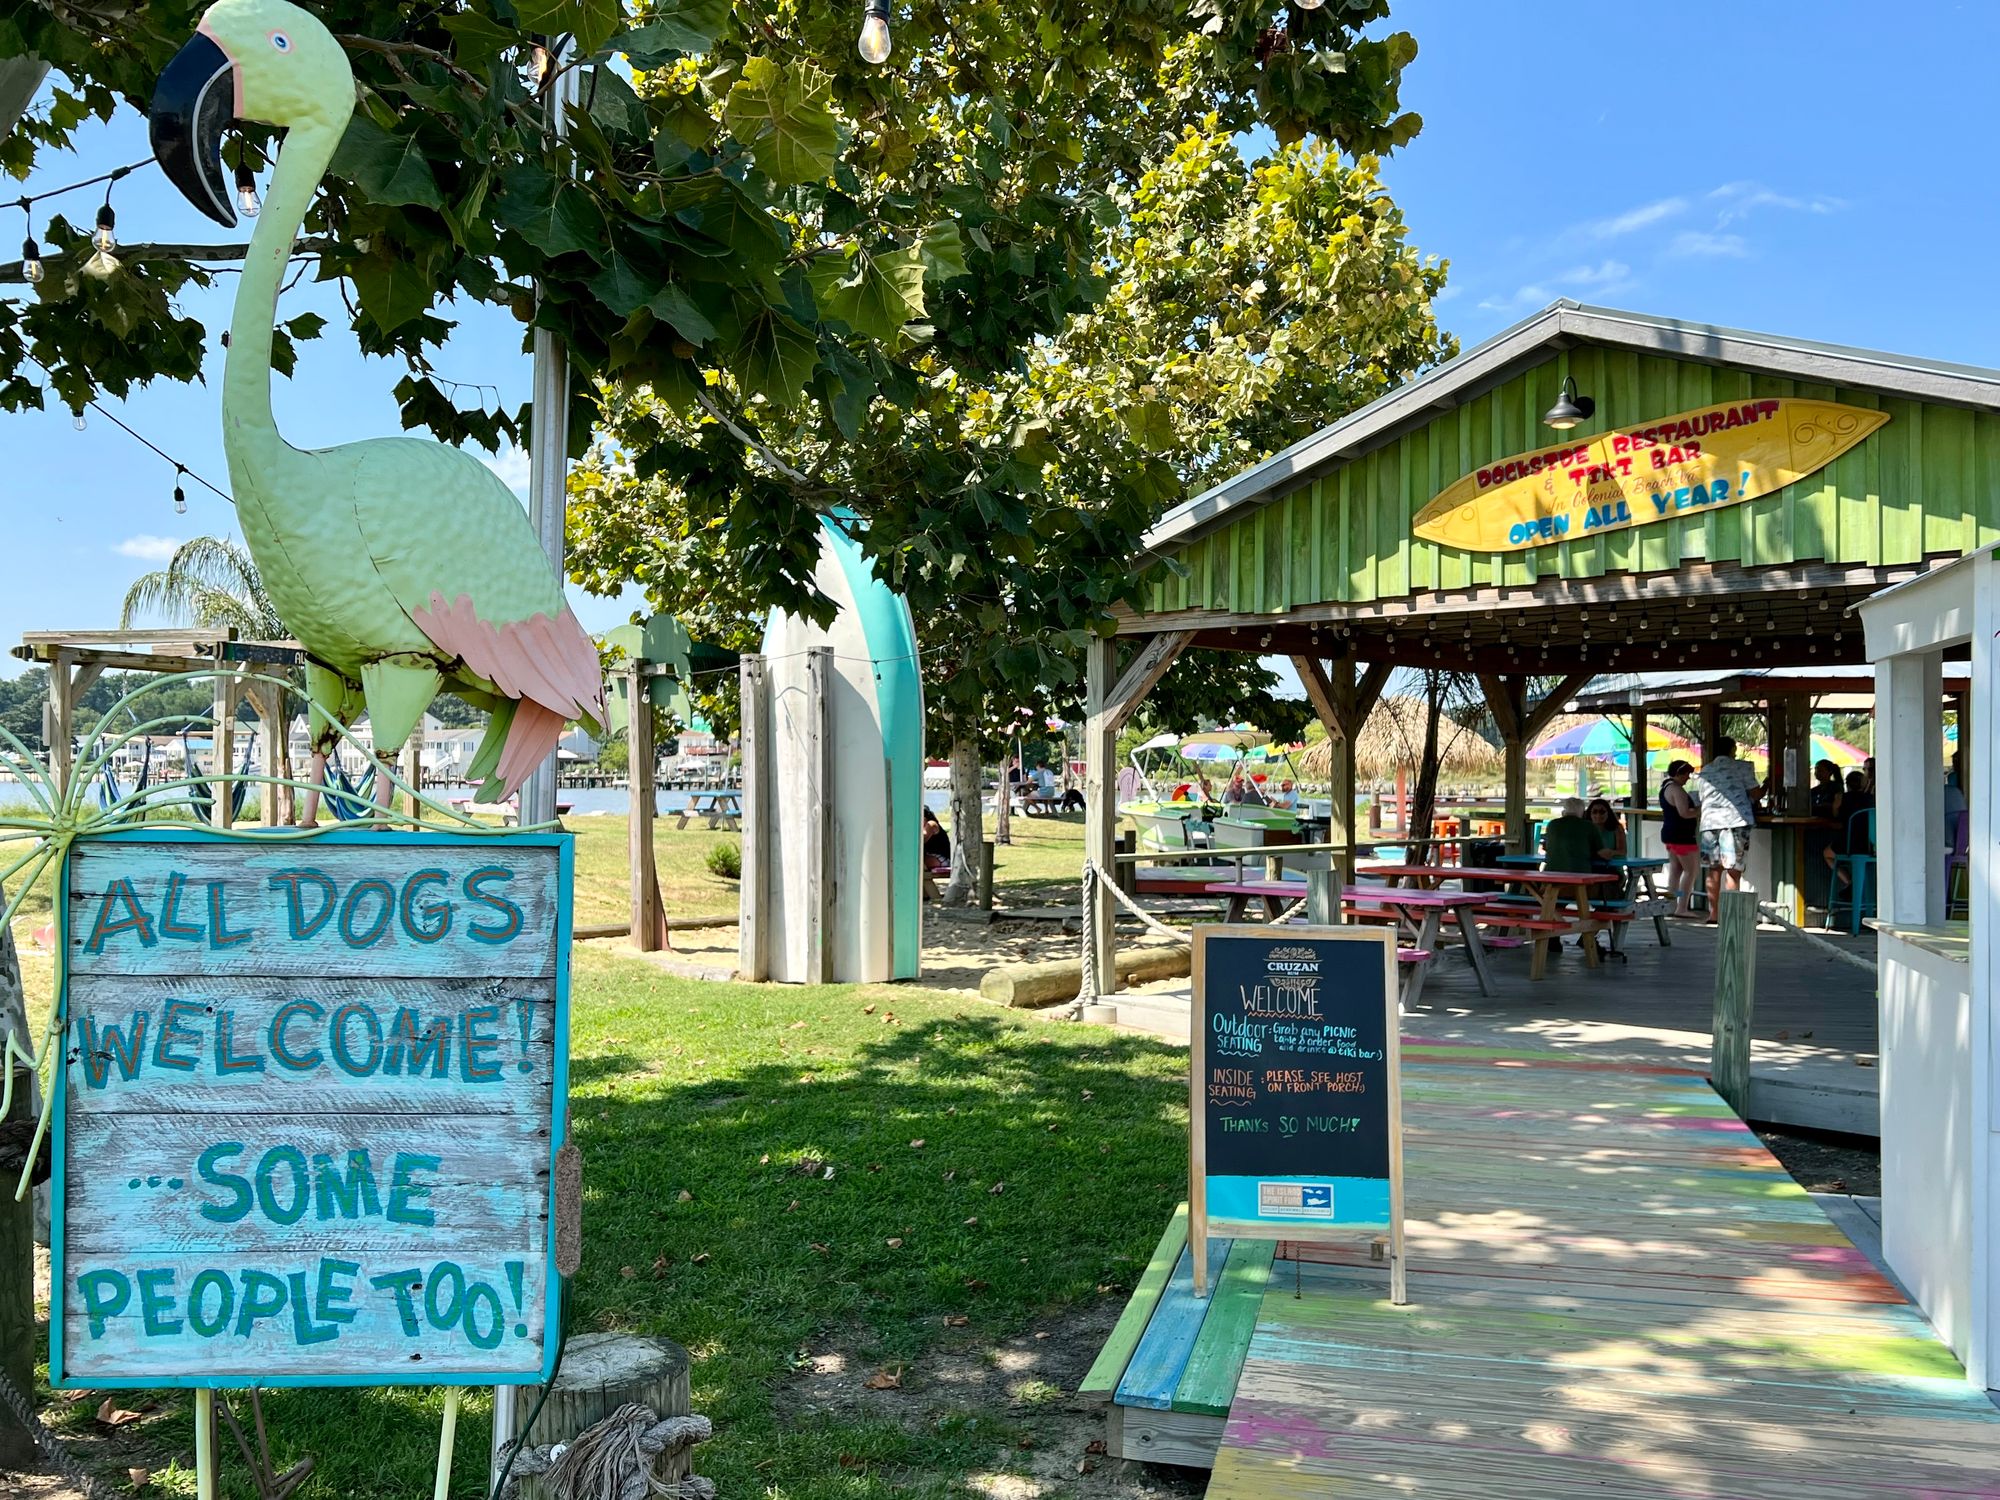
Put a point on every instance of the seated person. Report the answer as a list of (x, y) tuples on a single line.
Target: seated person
[(1851, 837), (937, 844), (1605, 817), (1286, 796), (1573, 843)]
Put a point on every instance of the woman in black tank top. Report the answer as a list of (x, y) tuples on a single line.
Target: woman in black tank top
[(1678, 832)]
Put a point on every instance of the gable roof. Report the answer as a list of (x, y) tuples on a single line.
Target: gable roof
[(1556, 327)]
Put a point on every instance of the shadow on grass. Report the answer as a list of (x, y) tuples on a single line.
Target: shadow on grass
[(859, 1166)]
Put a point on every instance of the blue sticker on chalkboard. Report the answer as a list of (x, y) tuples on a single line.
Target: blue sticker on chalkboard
[(1295, 1088), (306, 1123)]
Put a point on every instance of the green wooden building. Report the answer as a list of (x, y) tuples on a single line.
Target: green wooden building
[(1450, 524)]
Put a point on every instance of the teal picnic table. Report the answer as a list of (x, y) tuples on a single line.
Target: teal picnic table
[(1637, 873), (722, 808)]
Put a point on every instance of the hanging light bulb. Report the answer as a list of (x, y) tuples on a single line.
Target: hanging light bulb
[(31, 261), (104, 240), (79, 423), (1311, 4), (180, 495), (246, 191), (874, 41)]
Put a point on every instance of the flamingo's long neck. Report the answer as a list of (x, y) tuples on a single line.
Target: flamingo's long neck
[(250, 434)]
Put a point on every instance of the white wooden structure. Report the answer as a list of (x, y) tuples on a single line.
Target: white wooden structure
[(1940, 1068)]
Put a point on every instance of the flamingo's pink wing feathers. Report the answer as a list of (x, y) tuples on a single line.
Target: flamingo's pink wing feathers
[(548, 664)]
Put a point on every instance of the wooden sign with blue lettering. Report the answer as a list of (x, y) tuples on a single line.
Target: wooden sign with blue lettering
[(307, 1119)]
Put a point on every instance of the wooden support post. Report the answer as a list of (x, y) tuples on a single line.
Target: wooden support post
[(1100, 811), (1640, 788), (1735, 998), (59, 720), (648, 931), (1343, 705), (753, 955), (222, 756), (17, 1225), (986, 874), (1506, 700), (1110, 698), (819, 813), (1126, 876), (413, 773), (276, 801), (1909, 793), (1711, 729), (600, 1373), (1323, 898)]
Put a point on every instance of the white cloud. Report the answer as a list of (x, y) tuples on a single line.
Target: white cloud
[(1604, 279), (511, 464), (148, 548), (1741, 199), (1635, 219), (1701, 243)]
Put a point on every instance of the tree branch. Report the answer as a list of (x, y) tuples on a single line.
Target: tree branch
[(10, 271), (756, 445)]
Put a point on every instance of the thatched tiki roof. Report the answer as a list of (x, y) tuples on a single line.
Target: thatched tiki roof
[(1394, 736)]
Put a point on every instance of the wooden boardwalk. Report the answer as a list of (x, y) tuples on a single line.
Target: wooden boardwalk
[(1615, 1292)]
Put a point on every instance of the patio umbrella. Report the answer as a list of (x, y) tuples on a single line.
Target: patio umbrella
[(1230, 743), (1824, 747), (1602, 736)]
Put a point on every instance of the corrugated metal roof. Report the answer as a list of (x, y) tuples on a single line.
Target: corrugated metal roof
[(1559, 325)]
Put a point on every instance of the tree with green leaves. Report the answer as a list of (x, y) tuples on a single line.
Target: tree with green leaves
[(724, 203), (1245, 304), (210, 582)]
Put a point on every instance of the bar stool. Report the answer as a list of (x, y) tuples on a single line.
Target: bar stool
[(1860, 870), (1957, 865)]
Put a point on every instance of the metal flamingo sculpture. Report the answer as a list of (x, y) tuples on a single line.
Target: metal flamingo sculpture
[(402, 566)]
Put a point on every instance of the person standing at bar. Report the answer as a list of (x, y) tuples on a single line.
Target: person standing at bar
[(1680, 833), (1729, 796)]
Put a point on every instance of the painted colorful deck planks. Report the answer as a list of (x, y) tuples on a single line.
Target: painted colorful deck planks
[(1109, 1366), (1154, 1374), (1615, 1291)]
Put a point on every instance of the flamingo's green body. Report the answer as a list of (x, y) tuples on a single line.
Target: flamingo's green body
[(402, 566)]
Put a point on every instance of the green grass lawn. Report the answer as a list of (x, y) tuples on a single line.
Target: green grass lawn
[(1050, 1157)]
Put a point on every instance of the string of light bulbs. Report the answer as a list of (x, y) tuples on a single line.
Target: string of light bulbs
[(181, 470), (104, 234)]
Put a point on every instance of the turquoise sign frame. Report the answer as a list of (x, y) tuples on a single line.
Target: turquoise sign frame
[(205, 929)]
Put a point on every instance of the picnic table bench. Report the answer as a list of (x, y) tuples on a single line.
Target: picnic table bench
[(1548, 887), (722, 809)]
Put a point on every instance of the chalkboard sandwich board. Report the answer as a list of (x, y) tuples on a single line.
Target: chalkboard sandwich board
[(1296, 1111), (308, 1113)]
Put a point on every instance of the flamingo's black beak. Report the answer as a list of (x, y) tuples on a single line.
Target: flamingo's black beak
[(194, 100)]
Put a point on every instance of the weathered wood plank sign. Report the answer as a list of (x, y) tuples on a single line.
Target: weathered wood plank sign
[(309, 1107), (1296, 1110)]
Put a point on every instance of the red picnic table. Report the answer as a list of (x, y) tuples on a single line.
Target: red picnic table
[(1547, 886), (1421, 914)]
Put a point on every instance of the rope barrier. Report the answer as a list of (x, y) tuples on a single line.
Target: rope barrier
[(1093, 879), (1766, 909)]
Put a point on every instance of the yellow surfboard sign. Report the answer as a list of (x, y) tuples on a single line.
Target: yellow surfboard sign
[(1698, 460)]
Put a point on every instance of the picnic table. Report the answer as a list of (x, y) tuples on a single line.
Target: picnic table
[(722, 809), (1548, 887), (1276, 894), (1421, 914), (1637, 874)]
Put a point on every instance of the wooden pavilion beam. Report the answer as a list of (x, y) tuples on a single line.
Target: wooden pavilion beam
[(1342, 703)]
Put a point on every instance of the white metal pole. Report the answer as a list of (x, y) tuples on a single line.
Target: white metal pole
[(548, 480)]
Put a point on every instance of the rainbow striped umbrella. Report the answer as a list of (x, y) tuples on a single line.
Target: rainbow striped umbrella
[(1602, 737)]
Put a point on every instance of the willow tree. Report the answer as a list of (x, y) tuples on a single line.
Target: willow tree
[(1241, 304)]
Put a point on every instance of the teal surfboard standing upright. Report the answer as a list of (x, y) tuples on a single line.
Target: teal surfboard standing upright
[(871, 801)]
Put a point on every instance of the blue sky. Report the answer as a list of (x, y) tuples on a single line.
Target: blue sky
[(1820, 171)]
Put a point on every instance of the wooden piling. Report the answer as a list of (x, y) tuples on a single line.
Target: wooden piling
[(1735, 998)]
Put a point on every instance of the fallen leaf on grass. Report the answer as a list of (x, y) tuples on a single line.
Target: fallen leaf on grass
[(797, 1026), (849, 1461), (1095, 1446), (111, 1414), (867, 1010), (1088, 1095), (806, 1166), (698, 1260), (894, 1242), (917, 1144), (969, 1223), (974, 1284), (74, 1396), (874, 1166), (685, 1196), (951, 1109), (997, 1189), (1041, 1335), (956, 1320), (885, 1380), (627, 1272), (764, 1160), (140, 1477), (792, 1207), (951, 1174), (1086, 1466), (1054, 1127), (822, 1249), (659, 1267), (1025, 1444)]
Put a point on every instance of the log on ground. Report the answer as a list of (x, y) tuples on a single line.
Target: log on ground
[(1026, 986)]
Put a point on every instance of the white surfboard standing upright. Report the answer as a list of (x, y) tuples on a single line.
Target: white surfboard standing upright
[(833, 717)]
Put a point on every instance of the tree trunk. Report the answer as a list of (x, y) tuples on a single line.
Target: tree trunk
[(17, 1227), (1003, 800), (1424, 804), (968, 823)]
